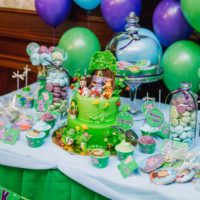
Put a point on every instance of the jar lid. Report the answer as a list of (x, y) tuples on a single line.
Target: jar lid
[(185, 85)]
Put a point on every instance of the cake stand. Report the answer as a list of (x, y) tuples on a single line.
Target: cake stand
[(134, 82)]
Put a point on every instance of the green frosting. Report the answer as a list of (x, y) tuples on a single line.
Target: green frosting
[(95, 110), (96, 117)]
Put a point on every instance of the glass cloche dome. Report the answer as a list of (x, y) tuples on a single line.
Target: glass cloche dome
[(140, 53)]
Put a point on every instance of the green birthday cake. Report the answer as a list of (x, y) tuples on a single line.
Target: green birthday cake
[(93, 109)]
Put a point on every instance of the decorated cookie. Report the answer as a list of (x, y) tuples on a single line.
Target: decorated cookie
[(163, 176), (152, 163), (185, 176)]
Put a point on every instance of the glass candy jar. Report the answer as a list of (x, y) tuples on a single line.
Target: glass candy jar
[(58, 83), (183, 115), (134, 45)]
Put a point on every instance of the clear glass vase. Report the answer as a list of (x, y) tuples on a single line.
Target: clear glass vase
[(183, 115)]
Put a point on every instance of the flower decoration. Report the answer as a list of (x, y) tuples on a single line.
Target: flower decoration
[(78, 128), (84, 127), (106, 105), (95, 102)]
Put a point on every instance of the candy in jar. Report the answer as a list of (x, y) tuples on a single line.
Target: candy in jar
[(183, 115)]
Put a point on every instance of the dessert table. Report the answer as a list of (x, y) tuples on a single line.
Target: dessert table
[(49, 172)]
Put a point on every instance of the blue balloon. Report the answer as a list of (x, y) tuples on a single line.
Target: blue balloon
[(149, 33), (88, 4)]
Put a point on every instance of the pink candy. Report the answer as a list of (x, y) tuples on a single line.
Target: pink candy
[(181, 108)]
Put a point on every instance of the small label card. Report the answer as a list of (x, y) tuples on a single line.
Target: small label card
[(124, 120), (127, 166), (154, 117), (164, 131), (2, 132), (11, 136), (147, 106)]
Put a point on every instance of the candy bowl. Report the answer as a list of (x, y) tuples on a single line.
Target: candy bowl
[(100, 158)]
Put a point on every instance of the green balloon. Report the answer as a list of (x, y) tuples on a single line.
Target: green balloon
[(80, 44), (199, 72), (181, 63), (191, 11)]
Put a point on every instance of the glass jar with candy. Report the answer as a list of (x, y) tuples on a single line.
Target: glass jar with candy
[(183, 115)]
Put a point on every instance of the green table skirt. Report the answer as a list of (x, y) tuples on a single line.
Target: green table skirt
[(44, 185)]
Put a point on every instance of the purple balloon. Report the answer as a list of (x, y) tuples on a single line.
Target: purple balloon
[(169, 23), (115, 12), (53, 12)]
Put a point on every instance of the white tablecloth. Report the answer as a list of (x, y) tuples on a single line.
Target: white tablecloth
[(107, 181)]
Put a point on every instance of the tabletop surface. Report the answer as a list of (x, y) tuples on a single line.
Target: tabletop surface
[(108, 181)]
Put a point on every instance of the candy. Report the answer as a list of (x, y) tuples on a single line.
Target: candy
[(45, 59), (61, 75), (174, 113), (56, 84), (192, 124), (52, 75), (181, 108), (189, 108), (179, 129), (186, 114), (190, 134), (49, 87), (174, 122), (43, 49), (185, 119), (187, 128), (56, 99), (57, 89), (182, 124), (57, 56), (189, 142), (35, 59), (183, 135), (62, 83), (57, 81), (193, 116)]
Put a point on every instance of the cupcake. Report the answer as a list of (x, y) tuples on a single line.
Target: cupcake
[(35, 139), (42, 126), (147, 144), (149, 130), (100, 158), (49, 119), (124, 149)]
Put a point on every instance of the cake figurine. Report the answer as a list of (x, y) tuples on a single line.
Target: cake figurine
[(94, 107)]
